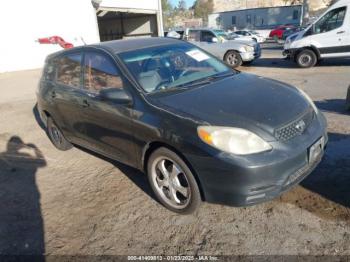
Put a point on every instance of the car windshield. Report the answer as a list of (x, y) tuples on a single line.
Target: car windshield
[(222, 34), (176, 66)]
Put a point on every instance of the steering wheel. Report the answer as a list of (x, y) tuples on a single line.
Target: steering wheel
[(185, 72)]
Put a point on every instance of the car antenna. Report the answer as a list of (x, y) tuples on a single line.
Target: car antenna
[(82, 39)]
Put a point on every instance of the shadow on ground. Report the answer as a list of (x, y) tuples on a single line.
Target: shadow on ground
[(135, 175), (333, 106), (21, 222), (326, 191)]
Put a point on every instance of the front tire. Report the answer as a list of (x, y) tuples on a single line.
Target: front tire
[(306, 58), (173, 182), (233, 59), (56, 136)]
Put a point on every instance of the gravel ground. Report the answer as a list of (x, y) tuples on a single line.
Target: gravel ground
[(75, 202)]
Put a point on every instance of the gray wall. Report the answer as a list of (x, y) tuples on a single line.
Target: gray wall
[(259, 18)]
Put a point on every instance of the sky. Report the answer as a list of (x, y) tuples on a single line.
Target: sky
[(188, 2)]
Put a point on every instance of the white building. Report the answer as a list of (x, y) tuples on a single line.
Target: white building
[(76, 21)]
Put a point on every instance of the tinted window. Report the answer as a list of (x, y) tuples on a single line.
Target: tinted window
[(194, 35), (332, 20), (100, 72), (69, 69), (49, 71), (233, 20), (207, 36)]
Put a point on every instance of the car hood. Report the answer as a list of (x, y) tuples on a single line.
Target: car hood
[(243, 100), (242, 41)]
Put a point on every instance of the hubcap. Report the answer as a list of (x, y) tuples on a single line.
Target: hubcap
[(232, 59), (171, 182), (305, 59), (56, 135)]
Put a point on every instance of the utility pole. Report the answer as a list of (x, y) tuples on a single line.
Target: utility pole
[(306, 15)]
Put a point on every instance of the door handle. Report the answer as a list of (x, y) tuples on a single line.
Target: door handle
[(85, 103), (340, 32)]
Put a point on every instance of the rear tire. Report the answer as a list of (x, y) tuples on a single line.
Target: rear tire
[(56, 136), (173, 182), (306, 58), (233, 59)]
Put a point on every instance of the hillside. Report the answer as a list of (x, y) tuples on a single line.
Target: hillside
[(227, 5)]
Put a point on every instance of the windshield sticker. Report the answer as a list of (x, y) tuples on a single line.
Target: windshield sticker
[(197, 55)]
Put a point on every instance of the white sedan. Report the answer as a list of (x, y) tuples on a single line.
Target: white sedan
[(251, 35)]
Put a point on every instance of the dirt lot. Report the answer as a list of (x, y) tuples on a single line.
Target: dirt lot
[(77, 203)]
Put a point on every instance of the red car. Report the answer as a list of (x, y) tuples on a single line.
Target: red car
[(277, 33)]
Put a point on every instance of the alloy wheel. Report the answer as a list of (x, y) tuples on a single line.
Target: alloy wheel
[(171, 183)]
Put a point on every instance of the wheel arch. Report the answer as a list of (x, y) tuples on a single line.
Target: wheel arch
[(312, 48), (231, 50), (154, 145)]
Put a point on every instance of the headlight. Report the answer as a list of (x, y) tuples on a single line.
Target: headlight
[(232, 140), (309, 100), (248, 48)]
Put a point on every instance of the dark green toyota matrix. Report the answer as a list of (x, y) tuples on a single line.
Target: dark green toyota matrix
[(199, 129)]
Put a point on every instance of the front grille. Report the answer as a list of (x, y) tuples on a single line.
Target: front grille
[(296, 127)]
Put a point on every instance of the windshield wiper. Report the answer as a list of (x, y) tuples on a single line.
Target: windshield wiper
[(202, 81)]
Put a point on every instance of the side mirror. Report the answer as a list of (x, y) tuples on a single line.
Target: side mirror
[(116, 95)]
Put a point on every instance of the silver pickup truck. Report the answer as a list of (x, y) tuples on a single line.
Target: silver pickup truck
[(232, 51)]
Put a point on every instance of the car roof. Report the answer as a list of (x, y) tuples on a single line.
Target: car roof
[(120, 46), (124, 45)]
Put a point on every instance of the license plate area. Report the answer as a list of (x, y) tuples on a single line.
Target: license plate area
[(316, 151)]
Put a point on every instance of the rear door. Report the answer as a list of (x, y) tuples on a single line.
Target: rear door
[(107, 125), (331, 33), (66, 95)]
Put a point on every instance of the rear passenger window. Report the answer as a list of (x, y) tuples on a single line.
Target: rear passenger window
[(69, 69), (100, 72), (194, 35)]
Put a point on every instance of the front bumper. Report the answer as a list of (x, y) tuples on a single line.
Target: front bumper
[(248, 180), (250, 56), (289, 52)]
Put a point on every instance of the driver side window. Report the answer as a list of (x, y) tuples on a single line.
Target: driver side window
[(207, 36), (332, 20), (100, 72)]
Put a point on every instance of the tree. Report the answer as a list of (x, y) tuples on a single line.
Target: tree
[(166, 6), (182, 5), (202, 8), (168, 11)]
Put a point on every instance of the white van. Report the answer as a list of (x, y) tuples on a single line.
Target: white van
[(328, 36)]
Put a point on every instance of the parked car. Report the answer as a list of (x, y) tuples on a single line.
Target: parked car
[(216, 42), (199, 129), (327, 37), (277, 33), (252, 34), (290, 32)]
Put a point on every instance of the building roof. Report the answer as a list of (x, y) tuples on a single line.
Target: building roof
[(119, 46)]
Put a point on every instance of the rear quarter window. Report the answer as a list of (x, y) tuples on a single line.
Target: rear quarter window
[(49, 72)]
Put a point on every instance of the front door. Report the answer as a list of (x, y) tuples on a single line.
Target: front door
[(107, 125), (331, 33)]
